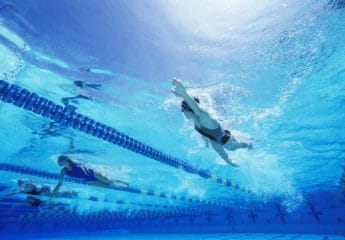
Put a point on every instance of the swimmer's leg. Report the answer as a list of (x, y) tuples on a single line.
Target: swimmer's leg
[(109, 183), (67, 194), (119, 183), (249, 146), (233, 145), (102, 178), (94, 85), (66, 100), (220, 150), (9, 193)]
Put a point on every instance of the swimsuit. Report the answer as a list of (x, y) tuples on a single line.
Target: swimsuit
[(217, 135), (37, 189), (78, 171), (35, 192)]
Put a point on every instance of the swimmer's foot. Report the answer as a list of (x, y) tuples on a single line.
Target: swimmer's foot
[(250, 146), (120, 184)]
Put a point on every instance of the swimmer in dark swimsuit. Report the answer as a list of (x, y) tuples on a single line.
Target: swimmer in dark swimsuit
[(28, 187), (76, 170), (209, 128), (34, 189)]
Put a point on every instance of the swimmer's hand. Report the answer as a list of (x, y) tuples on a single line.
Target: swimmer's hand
[(180, 90), (51, 196), (250, 146)]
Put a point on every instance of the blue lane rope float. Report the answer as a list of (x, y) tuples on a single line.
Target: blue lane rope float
[(13, 201), (171, 211), (27, 213), (38, 173), (21, 97), (65, 213)]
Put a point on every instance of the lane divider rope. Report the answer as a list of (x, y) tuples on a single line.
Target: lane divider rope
[(68, 214), (23, 98)]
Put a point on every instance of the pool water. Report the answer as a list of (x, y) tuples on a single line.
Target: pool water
[(273, 73), (117, 236)]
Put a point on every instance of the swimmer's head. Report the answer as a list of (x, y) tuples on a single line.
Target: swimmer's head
[(26, 186), (20, 182), (64, 161), (187, 110)]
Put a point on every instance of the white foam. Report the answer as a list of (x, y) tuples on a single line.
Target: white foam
[(9, 61), (189, 184), (278, 109), (267, 178)]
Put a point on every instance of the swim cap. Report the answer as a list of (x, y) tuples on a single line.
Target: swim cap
[(186, 108), (20, 182)]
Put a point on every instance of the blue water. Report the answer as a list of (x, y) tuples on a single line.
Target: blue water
[(271, 72), (110, 235)]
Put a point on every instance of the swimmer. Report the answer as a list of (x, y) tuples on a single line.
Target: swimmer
[(76, 170), (81, 88), (28, 187), (66, 101), (34, 189), (206, 126)]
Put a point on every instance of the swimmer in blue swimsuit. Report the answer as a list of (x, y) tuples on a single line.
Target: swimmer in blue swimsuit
[(206, 126), (76, 170)]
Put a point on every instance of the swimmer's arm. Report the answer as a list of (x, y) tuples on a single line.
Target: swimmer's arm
[(10, 193), (58, 186), (205, 118), (220, 150), (206, 142)]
